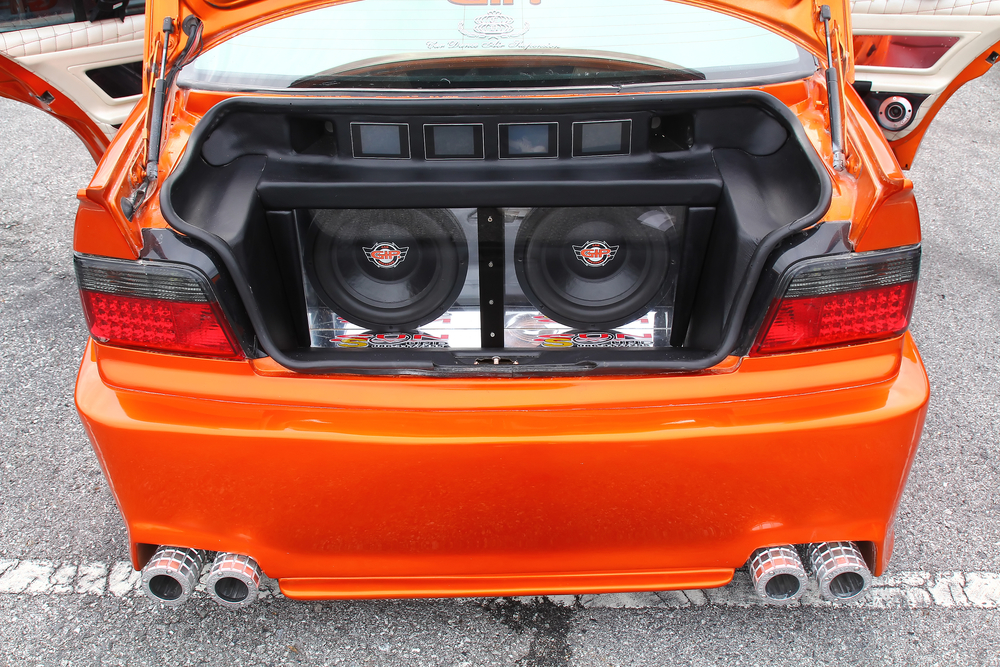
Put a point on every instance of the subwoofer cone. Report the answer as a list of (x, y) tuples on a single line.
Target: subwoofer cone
[(594, 268), (387, 269)]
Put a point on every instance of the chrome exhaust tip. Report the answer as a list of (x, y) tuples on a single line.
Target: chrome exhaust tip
[(778, 574), (171, 575), (234, 580), (840, 570)]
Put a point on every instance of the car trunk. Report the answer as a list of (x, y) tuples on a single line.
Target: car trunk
[(539, 235)]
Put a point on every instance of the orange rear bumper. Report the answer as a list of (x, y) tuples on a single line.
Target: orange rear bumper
[(397, 487)]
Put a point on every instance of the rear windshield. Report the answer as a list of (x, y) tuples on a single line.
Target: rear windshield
[(462, 44)]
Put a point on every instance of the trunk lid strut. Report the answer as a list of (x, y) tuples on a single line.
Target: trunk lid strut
[(833, 79), (192, 28)]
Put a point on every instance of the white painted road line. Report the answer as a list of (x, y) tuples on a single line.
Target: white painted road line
[(914, 590)]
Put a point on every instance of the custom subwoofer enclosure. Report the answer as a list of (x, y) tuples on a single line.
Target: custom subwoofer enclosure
[(609, 275)]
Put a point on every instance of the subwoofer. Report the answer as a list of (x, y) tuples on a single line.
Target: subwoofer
[(594, 268), (386, 269)]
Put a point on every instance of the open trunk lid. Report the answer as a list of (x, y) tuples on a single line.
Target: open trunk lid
[(798, 20)]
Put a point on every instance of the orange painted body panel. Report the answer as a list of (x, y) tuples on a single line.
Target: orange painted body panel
[(101, 227), (385, 487), (353, 588), (96, 233), (896, 222)]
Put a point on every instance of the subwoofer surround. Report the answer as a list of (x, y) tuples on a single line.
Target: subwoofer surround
[(386, 269), (596, 267)]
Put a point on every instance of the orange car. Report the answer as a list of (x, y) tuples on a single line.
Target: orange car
[(401, 298)]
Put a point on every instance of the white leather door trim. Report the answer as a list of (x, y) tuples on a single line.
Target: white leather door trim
[(67, 71), (69, 36)]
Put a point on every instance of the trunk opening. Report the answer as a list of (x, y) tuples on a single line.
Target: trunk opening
[(499, 236)]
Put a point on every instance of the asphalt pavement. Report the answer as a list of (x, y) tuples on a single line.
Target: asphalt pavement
[(65, 597)]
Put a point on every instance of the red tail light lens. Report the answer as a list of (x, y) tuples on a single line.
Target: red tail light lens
[(864, 297), (839, 318), (165, 308)]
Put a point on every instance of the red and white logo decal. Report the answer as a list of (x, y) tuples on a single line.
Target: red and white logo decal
[(385, 255), (595, 253), (592, 339), (385, 340)]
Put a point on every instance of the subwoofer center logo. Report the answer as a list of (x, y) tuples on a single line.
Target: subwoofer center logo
[(595, 253), (385, 254)]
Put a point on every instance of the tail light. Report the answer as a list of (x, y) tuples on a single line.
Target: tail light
[(153, 306), (851, 299)]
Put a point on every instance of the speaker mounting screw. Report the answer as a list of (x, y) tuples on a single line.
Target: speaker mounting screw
[(489, 218), (491, 265), (493, 334)]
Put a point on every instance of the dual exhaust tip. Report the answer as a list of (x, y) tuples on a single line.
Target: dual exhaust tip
[(171, 575), (779, 575)]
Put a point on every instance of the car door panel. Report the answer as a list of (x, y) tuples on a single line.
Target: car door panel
[(920, 51), (78, 60), (63, 54), (21, 84)]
